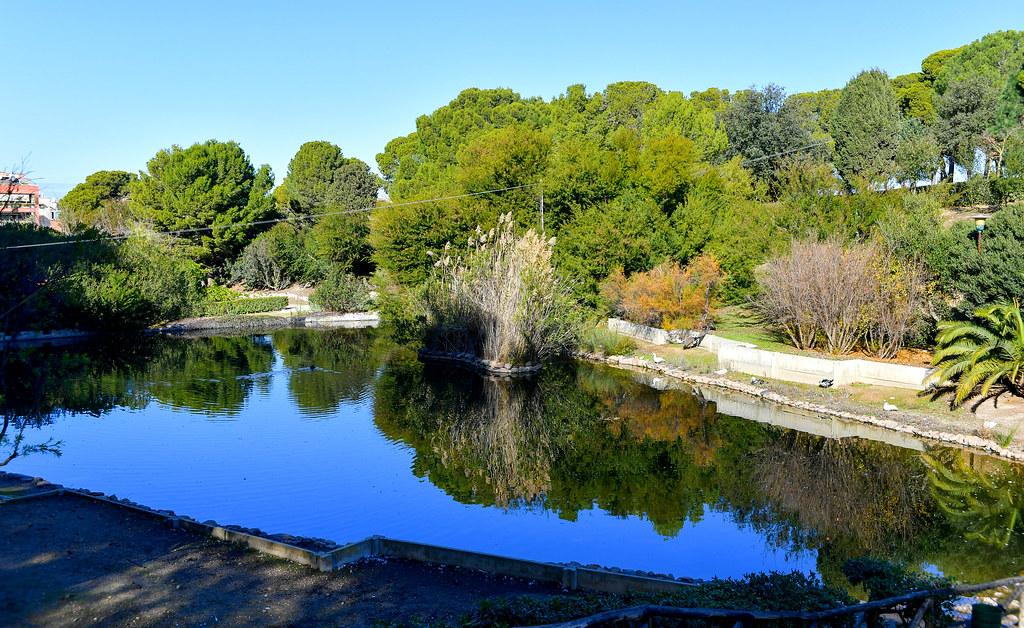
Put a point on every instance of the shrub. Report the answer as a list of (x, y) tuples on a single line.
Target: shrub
[(824, 292), (600, 339), (771, 591), (253, 305), (884, 580), (503, 302), (666, 296), (342, 292)]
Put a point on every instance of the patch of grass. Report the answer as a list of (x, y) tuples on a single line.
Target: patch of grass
[(603, 340), (1004, 440), (737, 322)]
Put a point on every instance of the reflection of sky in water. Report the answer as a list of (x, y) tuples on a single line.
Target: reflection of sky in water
[(334, 475)]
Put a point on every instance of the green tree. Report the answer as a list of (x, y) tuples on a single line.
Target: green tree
[(630, 232), (866, 127), (915, 96), (211, 188), (918, 154), (966, 109), (994, 275), (672, 114), (320, 179), (761, 126), (979, 355), (84, 205)]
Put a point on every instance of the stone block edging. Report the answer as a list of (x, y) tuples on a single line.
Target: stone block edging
[(334, 556)]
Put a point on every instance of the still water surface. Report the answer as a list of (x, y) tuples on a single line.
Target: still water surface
[(580, 464)]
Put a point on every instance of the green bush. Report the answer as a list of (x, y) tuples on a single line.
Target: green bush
[(254, 305), (771, 591), (342, 292), (603, 340), (885, 580)]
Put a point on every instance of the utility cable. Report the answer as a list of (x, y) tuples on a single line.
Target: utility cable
[(270, 221)]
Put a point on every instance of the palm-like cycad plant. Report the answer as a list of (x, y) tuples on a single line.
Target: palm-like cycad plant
[(982, 355)]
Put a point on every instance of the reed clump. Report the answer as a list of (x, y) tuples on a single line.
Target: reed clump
[(502, 301)]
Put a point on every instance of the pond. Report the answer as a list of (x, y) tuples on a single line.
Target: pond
[(343, 434)]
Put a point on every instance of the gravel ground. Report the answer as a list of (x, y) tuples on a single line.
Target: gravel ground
[(72, 561)]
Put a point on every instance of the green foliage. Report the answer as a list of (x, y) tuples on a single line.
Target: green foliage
[(84, 204), (965, 109), (250, 305), (630, 232), (341, 240), (762, 124), (321, 179), (772, 591), (914, 95), (918, 154), (866, 127), (978, 356), (884, 580), (272, 261), (342, 292), (994, 275), (206, 185), (144, 283), (600, 339), (406, 238)]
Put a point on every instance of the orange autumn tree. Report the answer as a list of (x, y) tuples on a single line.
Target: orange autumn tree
[(668, 296)]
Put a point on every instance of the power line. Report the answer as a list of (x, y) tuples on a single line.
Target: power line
[(270, 221), (785, 152)]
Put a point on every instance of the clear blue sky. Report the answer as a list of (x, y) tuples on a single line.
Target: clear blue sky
[(105, 85)]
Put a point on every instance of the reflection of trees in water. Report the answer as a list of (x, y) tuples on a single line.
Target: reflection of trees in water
[(41, 384), (868, 494), (346, 360), (577, 436), (981, 494), (499, 439), (207, 375)]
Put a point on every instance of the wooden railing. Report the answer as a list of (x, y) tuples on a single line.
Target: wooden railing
[(868, 612)]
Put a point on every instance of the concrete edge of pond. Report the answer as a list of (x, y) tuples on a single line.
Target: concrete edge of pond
[(569, 576), (976, 443)]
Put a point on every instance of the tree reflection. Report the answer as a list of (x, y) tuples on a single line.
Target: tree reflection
[(984, 493), (207, 375), (344, 363), (869, 494)]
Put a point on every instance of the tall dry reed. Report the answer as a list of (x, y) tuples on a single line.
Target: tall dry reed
[(503, 300)]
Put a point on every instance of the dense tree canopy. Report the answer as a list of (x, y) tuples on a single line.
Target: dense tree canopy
[(320, 178), (866, 126), (212, 192), (84, 205)]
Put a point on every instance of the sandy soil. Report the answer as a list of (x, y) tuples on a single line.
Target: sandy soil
[(72, 561)]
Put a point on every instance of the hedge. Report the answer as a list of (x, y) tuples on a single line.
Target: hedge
[(254, 305)]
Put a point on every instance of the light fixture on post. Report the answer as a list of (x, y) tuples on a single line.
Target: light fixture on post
[(979, 224)]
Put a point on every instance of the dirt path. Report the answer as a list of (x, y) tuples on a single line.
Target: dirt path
[(71, 561)]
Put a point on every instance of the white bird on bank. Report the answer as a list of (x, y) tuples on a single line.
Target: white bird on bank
[(657, 360), (721, 371), (888, 407)]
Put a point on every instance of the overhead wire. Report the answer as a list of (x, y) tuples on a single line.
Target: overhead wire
[(270, 221)]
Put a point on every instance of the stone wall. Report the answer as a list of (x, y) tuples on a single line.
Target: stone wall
[(747, 358)]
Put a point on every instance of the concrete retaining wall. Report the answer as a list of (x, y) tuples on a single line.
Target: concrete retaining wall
[(810, 370), (747, 358), (652, 335)]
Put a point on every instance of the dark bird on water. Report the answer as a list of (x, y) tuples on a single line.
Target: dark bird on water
[(825, 383), (312, 367)]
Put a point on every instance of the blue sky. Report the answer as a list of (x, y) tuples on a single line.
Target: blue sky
[(105, 85)]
